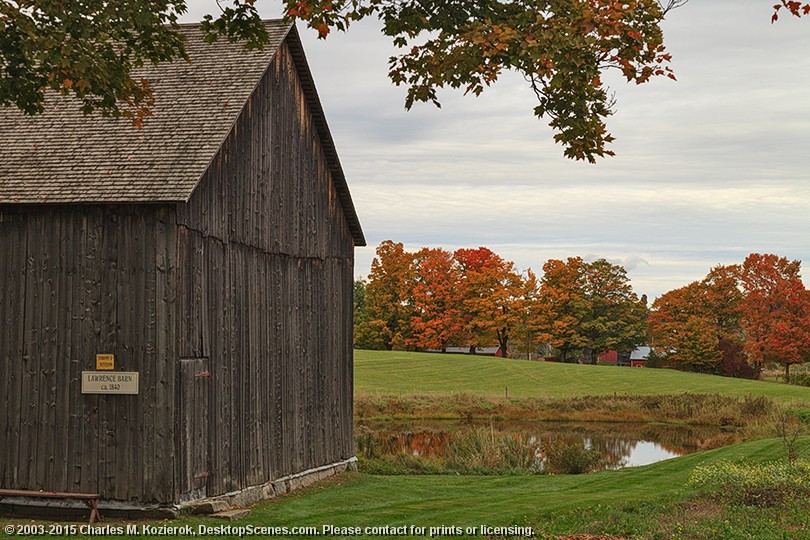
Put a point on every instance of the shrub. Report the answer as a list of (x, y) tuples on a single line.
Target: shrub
[(755, 484), (800, 379), (564, 457)]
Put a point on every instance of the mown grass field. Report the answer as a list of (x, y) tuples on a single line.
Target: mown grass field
[(406, 373), (644, 502), (541, 501)]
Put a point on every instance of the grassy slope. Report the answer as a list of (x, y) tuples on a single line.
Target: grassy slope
[(366, 500), (406, 373)]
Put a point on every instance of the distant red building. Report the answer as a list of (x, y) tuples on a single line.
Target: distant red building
[(636, 358)]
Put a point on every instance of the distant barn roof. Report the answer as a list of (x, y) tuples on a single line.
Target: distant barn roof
[(62, 156)]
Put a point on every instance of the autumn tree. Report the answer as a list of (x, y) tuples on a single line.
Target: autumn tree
[(525, 310), (389, 296), (561, 47), (588, 307), (697, 327), (89, 49), (797, 9), (775, 311), (562, 306), (437, 295), (489, 301), (682, 332)]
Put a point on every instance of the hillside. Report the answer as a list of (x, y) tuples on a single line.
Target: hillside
[(406, 373)]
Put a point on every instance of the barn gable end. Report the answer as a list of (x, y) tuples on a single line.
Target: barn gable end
[(211, 253)]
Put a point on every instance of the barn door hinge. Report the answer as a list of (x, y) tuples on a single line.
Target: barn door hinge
[(202, 475), (203, 374)]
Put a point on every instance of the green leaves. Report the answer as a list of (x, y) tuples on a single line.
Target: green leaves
[(239, 23), (85, 48)]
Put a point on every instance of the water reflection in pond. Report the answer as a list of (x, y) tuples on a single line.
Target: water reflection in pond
[(621, 445)]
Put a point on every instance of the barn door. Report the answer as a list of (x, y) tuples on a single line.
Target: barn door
[(193, 428)]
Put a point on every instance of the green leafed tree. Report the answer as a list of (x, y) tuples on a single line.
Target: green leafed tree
[(616, 318), (588, 307)]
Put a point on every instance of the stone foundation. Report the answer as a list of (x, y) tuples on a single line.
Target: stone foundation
[(280, 486)]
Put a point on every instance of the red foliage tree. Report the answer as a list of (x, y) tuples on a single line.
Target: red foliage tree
[(775, 311)]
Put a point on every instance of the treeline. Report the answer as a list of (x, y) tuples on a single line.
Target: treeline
[(736, 320), (433, 299)]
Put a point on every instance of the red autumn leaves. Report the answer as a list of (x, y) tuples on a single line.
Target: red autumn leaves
[(761, 306)]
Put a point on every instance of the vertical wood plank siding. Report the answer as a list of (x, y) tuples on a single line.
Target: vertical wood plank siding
[(265, 294), (248, 286), (76, 281)]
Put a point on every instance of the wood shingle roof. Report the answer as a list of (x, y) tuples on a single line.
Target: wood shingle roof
[(62, 156)]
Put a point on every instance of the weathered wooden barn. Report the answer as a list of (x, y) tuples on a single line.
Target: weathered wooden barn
[(211, 253)]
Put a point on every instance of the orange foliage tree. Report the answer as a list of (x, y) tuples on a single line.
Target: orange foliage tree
[(682, 332), (562, 306), (437, 295), (695, 327), (491, 301), (775, 311), (389, 297)]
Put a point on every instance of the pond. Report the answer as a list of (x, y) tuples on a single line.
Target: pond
[(620, 445)]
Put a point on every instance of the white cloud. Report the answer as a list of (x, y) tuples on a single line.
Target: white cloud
[(709, 168)]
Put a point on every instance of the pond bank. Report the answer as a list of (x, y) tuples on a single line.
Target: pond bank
[(686, 408)]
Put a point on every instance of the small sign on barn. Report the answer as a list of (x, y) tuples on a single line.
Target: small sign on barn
[(106, 382), (105, 362)]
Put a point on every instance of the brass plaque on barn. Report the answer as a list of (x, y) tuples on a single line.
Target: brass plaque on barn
[(110, 382), (105, 361)]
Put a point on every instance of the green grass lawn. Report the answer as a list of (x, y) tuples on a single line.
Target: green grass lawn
[(651, 502), (406, 373), (361, 500), (498, 500)]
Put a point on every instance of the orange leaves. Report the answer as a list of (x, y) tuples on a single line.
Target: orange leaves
[(437, 296), (560, 47), (323, 30)]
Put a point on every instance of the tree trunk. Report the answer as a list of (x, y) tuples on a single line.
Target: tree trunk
[(787, 373), (472, 349), (503, 341)]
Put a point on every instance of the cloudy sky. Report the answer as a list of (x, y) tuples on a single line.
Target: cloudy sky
[(708, 168)]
